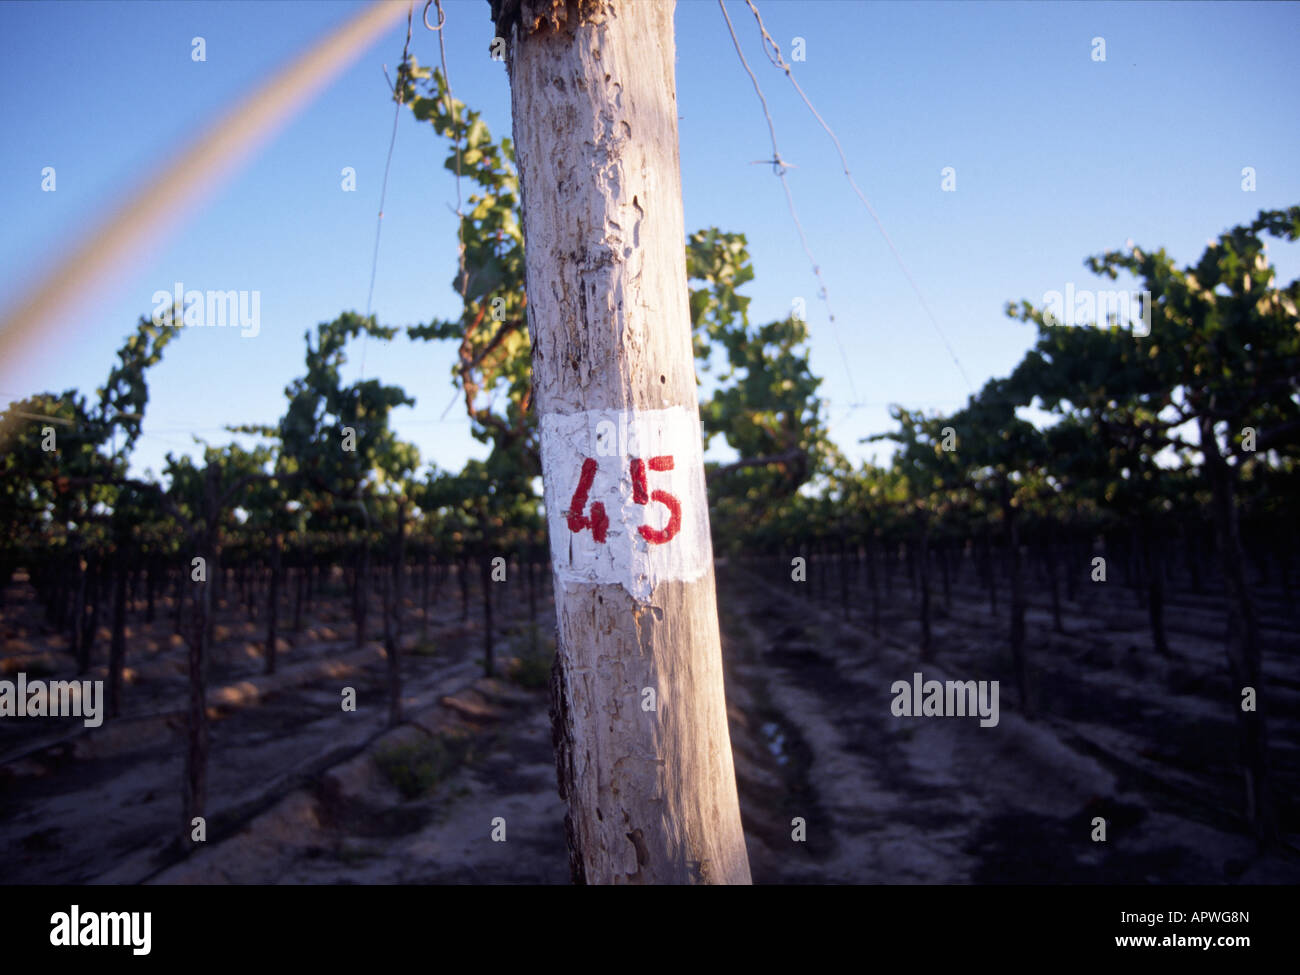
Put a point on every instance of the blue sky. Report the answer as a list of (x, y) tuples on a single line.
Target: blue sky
[(1057, 157)]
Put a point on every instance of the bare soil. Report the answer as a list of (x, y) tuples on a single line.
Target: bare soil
[(302, 792)]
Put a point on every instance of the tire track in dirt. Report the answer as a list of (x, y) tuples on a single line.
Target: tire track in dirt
[(944, 800)]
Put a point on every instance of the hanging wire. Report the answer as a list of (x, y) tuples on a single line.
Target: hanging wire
[(460, 214), (402, 70), (451, 102), (774, 55), (779, 166)]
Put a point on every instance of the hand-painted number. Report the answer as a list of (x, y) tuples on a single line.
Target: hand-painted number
[(598, 521), (641, 495)]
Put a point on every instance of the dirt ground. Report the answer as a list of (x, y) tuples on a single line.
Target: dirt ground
[(464, 791)]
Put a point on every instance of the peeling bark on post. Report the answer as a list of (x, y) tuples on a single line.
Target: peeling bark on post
[(651, 792)]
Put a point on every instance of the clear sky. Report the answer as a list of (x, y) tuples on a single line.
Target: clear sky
[(1056, 156)]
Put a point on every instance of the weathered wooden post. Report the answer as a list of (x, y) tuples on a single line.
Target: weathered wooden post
[(640, 720)]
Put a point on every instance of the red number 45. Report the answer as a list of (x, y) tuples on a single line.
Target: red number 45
[(598, 520)]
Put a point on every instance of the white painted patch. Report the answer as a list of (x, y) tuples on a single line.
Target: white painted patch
[(643, 543)]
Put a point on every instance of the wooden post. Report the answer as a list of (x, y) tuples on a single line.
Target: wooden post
[(640, 721), (273, 602)]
